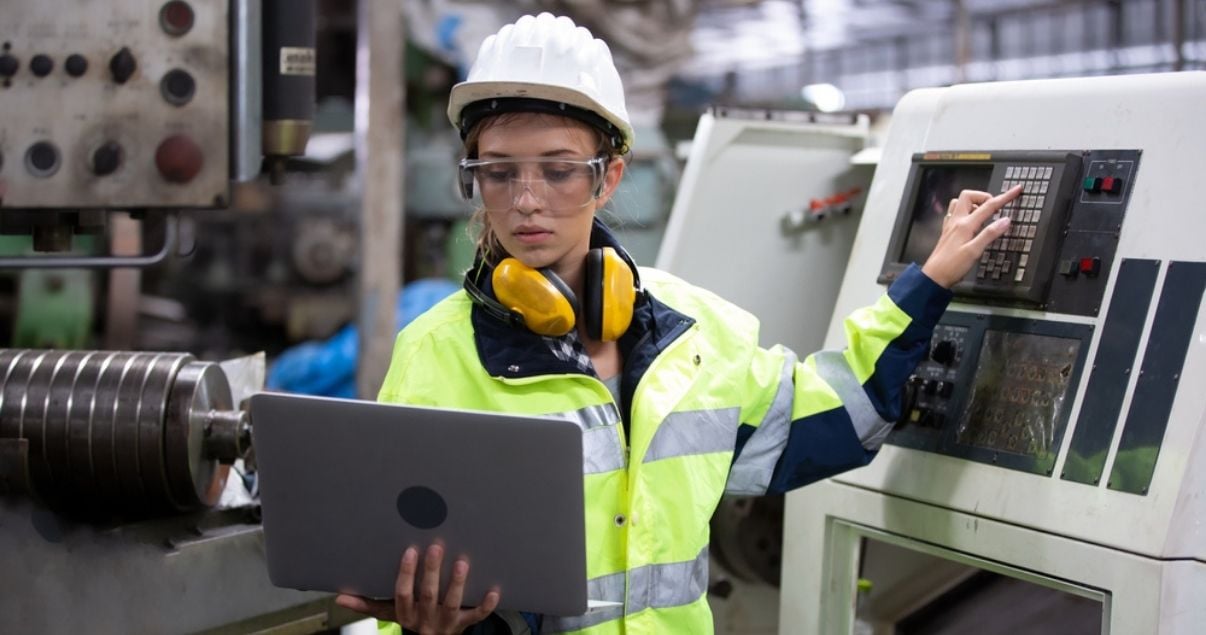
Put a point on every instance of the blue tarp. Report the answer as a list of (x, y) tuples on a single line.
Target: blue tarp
[(328, 368)]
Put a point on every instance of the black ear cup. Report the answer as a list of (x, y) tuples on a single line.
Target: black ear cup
[(592, 301)]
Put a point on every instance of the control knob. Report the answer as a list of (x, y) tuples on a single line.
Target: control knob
[(106, 159), (76, 65), (9, 65), (122, 65), (943, 352), (41, 65)]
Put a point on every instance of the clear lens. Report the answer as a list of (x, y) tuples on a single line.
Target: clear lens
[(551, 184)]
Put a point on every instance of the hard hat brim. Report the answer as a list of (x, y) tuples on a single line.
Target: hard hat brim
[(466, 93)]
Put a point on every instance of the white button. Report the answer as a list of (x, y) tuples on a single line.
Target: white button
[(1018, 276)]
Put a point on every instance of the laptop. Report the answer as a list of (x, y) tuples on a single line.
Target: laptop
[(346, 486)]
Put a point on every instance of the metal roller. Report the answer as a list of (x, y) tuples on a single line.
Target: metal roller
[(117, 431)]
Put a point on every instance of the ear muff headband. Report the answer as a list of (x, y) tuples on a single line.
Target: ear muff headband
[(545, 303)]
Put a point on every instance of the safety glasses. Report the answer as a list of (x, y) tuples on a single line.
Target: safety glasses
[(555, 184)]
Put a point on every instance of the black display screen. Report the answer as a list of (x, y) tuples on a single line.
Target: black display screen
[(1020, 392), (938, 185)]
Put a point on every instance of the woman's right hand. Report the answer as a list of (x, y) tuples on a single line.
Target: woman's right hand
[(425, 613)]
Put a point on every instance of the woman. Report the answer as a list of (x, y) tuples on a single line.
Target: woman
[(678, 403)]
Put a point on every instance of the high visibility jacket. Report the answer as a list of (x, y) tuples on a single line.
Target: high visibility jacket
[(704, 411)]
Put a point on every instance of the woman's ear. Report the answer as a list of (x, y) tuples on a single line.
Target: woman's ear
[(611, 179)]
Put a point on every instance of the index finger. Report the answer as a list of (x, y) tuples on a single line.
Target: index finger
[(992, 205)]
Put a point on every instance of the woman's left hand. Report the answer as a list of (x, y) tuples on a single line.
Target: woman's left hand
[(963, 241)]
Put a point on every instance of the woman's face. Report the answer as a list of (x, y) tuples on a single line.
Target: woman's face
[(539, 228)]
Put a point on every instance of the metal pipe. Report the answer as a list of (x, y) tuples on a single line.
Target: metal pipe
[(170, 236), (380, 118), (962, 41), (1179, 15), (246, 99)]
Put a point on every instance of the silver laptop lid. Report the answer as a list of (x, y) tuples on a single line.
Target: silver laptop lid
[(347, 485)]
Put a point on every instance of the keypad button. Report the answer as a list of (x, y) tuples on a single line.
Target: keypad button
[(1047, 172), (1043, 187), (1022, 262), (1029, 244), (1017, 276)]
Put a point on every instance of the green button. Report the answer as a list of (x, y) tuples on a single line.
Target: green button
[(1092, 184)]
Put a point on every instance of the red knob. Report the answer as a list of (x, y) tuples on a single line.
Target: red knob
[(179, 159)]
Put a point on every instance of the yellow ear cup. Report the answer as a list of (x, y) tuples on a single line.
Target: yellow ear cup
[(618, 296), (545, 303)]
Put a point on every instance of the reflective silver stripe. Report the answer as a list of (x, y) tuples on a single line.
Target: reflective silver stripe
[(751, 472), (694, 432), (654, 586), (608, 588), (591, 416), (661, 586), (601, 447), (602, 451), (870, 427)]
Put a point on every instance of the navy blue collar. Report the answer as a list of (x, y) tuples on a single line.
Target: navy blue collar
[(512, 351)]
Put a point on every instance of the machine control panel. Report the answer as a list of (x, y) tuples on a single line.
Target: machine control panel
[(114, 105), (932, 386), (995, 389), (1063, 229)]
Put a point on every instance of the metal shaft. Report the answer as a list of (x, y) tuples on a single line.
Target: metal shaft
[(116, 430)]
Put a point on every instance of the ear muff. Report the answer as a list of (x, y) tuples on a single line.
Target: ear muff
[(544, 302), (610, 293)]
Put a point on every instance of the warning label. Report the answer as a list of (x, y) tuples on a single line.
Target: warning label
[(297, 61)]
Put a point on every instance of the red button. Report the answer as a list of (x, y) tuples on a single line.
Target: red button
[(1090, 266), (179, 159), (176, 18), (1108, 184)]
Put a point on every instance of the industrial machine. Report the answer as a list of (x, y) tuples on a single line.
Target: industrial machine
[(143, 107), (765, 217), (122, 504), (1047, 475)]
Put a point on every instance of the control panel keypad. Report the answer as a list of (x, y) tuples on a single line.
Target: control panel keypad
[(1007, 258)]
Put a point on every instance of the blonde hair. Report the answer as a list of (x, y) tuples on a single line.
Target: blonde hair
[(480, 231)]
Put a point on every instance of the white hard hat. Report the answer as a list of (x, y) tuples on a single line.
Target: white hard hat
[(543, 64)]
